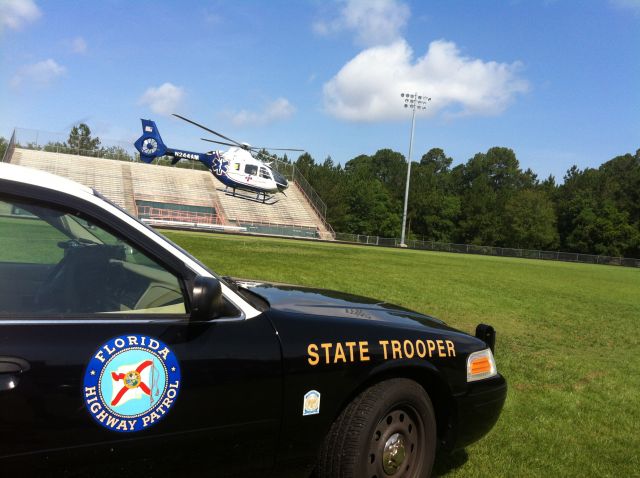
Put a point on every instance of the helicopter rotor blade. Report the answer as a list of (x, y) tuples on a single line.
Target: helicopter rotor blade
[(207, 129), (267, 156), (218, 142), (275, 149)]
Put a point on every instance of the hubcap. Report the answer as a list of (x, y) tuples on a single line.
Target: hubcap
[(395, 448), (393, 454)]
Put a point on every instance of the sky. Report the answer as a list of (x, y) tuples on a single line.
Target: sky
[(556, 81)]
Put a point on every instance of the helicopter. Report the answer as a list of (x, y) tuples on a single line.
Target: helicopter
[(237, 168)]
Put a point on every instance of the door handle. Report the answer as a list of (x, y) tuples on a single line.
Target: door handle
[(10, 370)]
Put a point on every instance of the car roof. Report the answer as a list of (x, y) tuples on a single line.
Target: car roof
[(36, 177)]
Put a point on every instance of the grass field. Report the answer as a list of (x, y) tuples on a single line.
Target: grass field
[(567, 341)]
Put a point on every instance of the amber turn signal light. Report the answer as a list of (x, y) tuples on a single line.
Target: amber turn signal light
[(481, 365)]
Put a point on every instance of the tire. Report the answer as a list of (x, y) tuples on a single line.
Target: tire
[(387, 430)]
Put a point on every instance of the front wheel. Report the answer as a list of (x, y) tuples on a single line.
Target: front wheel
[(389, 430)]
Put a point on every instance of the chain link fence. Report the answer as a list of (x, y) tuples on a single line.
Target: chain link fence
[(489, 250), (108, 148)]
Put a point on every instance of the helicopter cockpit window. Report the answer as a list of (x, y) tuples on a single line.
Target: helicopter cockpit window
[(251, 169), (279, 178), (264, 173)]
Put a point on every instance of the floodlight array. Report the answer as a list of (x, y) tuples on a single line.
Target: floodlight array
[(415, 101)]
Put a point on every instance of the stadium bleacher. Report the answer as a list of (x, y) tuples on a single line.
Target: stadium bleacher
[(181, 196)]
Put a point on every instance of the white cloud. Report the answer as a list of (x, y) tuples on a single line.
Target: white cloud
[(78, 45), (15, 13), (368, 87), (374, 22), (278, 109), (163, 100), (40, 74)]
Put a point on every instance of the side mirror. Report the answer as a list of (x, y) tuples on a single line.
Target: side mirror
[(207, 300), (487, 334)]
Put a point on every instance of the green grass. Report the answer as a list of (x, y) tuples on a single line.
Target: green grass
[(568, 341)]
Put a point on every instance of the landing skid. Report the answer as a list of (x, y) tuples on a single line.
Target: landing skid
[(262, 198)]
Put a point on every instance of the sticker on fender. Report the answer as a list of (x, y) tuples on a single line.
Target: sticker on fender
[(131, 383), (311, 403)]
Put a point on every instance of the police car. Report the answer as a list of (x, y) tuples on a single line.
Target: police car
[(123, 355)]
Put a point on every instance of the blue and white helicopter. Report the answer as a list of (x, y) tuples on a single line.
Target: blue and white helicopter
[(236, 168)]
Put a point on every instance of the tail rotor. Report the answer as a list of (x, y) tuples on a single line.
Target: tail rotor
[(150, 145)]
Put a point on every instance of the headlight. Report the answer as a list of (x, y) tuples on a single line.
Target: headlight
[(481, 365)]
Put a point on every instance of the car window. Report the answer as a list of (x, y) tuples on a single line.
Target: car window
[(57, 262), (24, 237)]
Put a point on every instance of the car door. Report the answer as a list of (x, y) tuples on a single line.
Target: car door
[(101, 366)]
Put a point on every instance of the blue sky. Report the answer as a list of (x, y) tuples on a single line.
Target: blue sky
[(556, 81)]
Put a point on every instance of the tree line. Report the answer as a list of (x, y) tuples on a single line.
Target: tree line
[(489, 200)]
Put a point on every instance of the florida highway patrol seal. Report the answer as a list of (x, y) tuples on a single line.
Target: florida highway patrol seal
[(131, 383)]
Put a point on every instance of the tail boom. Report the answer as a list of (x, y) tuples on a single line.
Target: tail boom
[(150, 146)]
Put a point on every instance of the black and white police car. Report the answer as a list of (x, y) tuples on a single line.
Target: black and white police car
[(123, 355)]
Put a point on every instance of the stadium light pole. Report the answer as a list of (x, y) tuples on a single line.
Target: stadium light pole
[(413, 101)]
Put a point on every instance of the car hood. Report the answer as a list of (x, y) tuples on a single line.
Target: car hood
[(327, 303)]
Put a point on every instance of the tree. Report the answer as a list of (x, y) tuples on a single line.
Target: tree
[(80, 139), (116, 152), (433, 205), (55, 147), (489, 200), (598, 208), (437, 161), (621, 183), (361, 164), (371, 210), (390, 167), (603, 230), (305, 164), (3, 147), (479, 213), (530, 220)]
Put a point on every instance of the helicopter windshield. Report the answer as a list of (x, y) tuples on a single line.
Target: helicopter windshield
[(279, 178)]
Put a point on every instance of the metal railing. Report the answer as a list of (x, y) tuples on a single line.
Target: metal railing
[(175, 215), (314, 199), (489, 250), (109, 148), (250, 222), (278, 229), (10, 148), (56, 143), (290, 171)]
